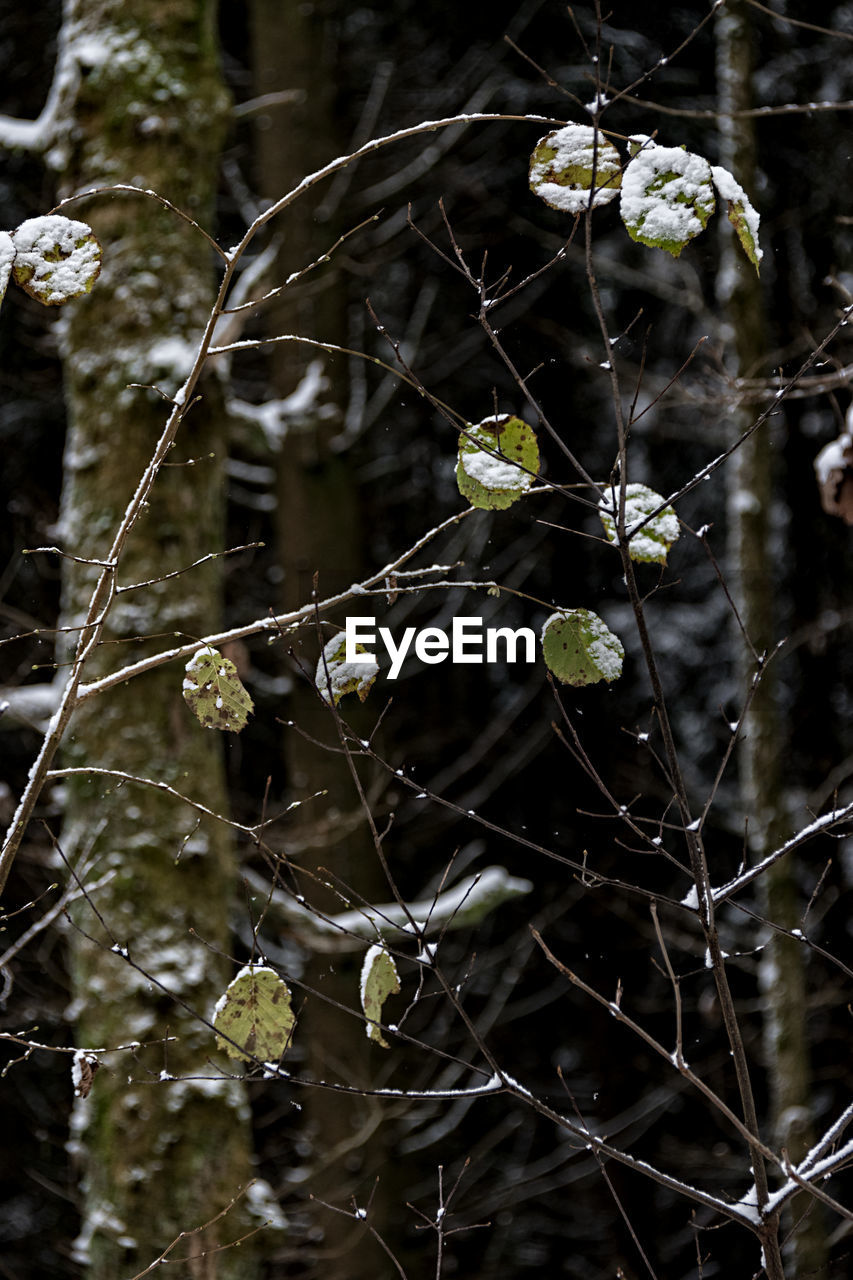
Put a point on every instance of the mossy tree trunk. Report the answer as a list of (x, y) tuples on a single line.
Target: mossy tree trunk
[(762, 749), (163, 1137)]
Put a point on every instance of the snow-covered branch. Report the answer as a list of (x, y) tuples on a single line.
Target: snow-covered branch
[(460, 907), (818, 827)]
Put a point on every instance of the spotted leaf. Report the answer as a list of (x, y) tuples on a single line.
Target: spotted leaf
[(56, 258), (498, 462), (214, 692), (379, 980), (254, 1018), (580, 649)]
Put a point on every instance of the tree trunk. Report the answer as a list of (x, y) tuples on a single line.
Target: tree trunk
[(145, 104), (319, 531), (752, 563)]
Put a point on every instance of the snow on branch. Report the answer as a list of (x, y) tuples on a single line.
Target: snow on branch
[(818, 827), (40, 134), (463, 905), (25, 135)]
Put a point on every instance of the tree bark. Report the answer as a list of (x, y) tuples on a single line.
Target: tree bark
[(319, 531), (762, 749), (145, 104)]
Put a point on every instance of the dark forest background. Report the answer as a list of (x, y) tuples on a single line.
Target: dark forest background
[(377, 475)]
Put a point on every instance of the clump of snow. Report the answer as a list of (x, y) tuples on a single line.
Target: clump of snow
[(552, 617), (744, 502), (304, 400), (730, 190), (343, 677), (200, 657), (748, 1205), (172, 357), (248, 971), (7, 257), (601, 646), (561, 172), (262, 1203), (494, 473), (499, 433), (373, 954), (652, 541), (661, 189), (379, 979), (102, 1219), (832, 457), (83, 1068), (604, 648), (56, 258)]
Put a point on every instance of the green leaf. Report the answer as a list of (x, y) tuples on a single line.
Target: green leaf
[(379, 980), (214, 692), (56, 258), (667, 196), (7, 257), (564, 164), (255, 1013), (652, 543), (580, 649), (344, 677), (491, 457), (742, 216)]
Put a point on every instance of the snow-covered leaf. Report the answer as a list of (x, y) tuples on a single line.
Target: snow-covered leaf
[(379, 980), (580, 649), (496, 459), (56, 258), (335, 676), (834, 470), (83, 1068), (652, 543), (742, 216), (255, 1014), (7, 257), (566, 162), (667, 196), (214, 692)]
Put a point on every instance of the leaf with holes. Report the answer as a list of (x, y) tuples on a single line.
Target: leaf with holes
[(667, 196), (567, 162), (56, 258), (652, 542), (214, 692), (254, 1018), (496, 459), (742, 216), (335, 676), (580, 649), (379, 980)]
